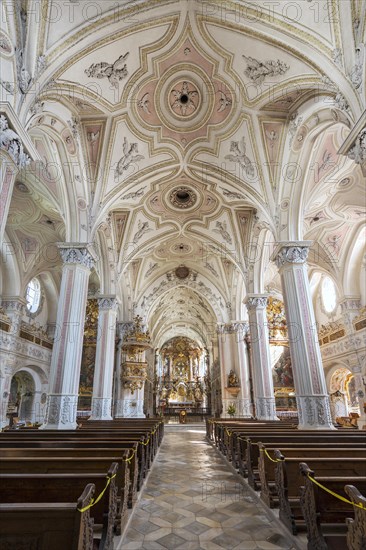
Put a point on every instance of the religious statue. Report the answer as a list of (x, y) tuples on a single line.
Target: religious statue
[(233, 381)]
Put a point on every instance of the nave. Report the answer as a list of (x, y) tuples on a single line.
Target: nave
[(192, 500)]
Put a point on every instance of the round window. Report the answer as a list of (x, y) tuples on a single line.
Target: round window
[(33, 295)]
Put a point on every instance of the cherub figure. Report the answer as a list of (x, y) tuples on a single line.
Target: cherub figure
[(130, 154), (240, 157), (113, 71)]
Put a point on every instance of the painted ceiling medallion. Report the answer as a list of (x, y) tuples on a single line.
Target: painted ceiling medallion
[(182, 272), (183, 198), (187, 89), (184, 99)]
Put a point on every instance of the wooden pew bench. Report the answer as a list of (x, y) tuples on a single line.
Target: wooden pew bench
[(253, 453), (276, 439), (288, 482), (45, 526), (267, 467), (135, 449), (325, 515), (145, 448), (74, 465), (41, 488), (356, 526)]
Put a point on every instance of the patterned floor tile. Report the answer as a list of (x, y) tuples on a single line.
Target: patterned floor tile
[(226, 541), (172, 541), (192, 501), (197, 527)]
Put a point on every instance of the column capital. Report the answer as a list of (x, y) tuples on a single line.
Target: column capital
[(354, 146), (348, 303), (123, 327), (240, 326), (256, 301), (107, 302), (14, 304), (13, 143), (77, 253), (291, 252)]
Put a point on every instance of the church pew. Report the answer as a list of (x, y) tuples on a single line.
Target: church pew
[(266, 467), (136, 445), (155, 425), (288, 481), (253, 453), (74, 464), (43, 526), (287, 439), (41, 488), (325, 515), (356, 526), (128, 434), (238, 444), (126, 479)]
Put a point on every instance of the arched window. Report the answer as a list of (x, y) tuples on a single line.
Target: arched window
[(33, 295), (329, 295)]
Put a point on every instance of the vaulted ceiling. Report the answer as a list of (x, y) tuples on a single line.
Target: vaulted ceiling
[(187, 134)]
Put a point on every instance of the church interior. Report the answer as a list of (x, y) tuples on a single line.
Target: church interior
[(183, 273)]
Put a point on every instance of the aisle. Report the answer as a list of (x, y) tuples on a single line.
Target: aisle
[(193, 501)]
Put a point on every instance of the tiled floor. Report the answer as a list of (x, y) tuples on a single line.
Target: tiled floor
[(192, 501)]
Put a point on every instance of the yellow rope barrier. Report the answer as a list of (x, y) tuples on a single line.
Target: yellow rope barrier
[(146, 443), (335, 494), (228, 433), (270, 458), (131, 457), (95, 501)]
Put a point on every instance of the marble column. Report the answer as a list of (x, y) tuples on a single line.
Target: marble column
[(245, 405), (104, 359), (226, 364), (67, 350), (311, 392), (265, 406)]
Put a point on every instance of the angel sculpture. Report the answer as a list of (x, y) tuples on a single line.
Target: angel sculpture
[(221, 228), (130, 154), (224, 102), (240, 157), (257, 71), (93, 136), (113, 71), (143, 227), (326, 161), (143, 103)]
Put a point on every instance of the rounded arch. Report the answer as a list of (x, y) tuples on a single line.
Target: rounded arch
[(28, 393), (298, 166), (352, 282)]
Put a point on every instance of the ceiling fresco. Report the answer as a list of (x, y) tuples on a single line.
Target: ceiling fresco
[(182, 134)]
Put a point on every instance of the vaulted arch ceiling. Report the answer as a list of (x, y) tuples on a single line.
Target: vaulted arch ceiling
[(176, 124)]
